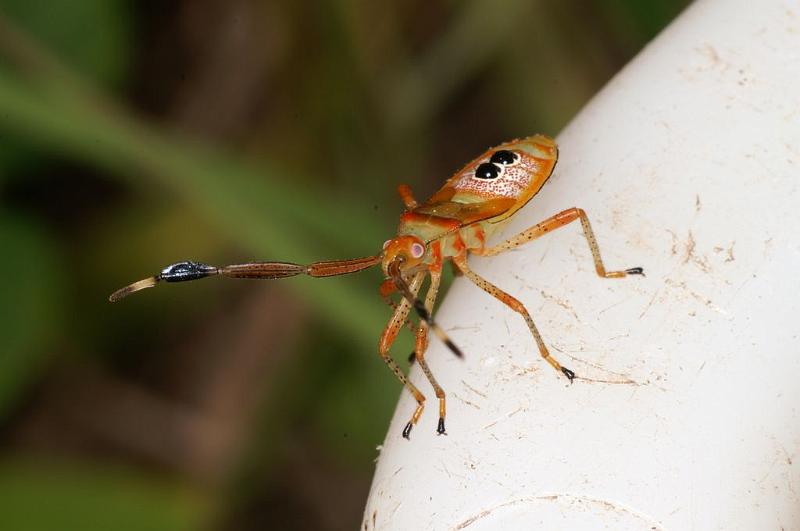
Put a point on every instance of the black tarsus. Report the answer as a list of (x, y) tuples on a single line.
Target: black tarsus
[(407, 430), (568, 373), (440, 427), (635, 271)]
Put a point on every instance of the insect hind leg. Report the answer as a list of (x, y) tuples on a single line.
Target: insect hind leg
[(556, 222), (518, 307)]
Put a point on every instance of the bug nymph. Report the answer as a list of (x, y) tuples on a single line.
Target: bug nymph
[(454, 223)]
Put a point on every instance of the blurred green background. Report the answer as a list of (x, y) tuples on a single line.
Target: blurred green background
[(137, 134)]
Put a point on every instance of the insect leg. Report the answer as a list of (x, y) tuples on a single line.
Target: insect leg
[(387, 288), (422, 345), (518, 307), (388, 337), (419, 307), (556, 222)]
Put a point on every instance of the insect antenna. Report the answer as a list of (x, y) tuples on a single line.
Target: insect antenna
[(188, 270), (419, 307)]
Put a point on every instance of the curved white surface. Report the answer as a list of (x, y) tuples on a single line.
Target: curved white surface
[(685, 415)]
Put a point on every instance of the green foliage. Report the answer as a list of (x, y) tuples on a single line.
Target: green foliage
[(91, 36), (31, 303), (46, 496)]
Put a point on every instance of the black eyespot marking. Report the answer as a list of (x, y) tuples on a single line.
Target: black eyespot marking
[(487, 171), (504, 157)]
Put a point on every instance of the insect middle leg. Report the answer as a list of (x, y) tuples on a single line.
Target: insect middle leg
[(422, 345), (518, 307), (556, 222), (387, 338)]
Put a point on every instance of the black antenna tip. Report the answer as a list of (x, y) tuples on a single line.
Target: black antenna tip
[(423, 313), (452, 346)]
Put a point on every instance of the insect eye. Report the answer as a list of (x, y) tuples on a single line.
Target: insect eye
[(504, 157), (417, 250), (487, 171)]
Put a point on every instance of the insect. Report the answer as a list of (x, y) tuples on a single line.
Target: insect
[(455, 222)]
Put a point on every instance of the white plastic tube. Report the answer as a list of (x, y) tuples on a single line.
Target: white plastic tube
[(686, 414)]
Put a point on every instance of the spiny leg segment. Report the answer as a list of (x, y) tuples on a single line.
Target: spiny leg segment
[(556, 222), (387, 338), (389, 286), (386, 289), (419, 307), (421, 347), (518, 307)]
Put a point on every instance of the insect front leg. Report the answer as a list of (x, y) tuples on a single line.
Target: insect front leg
[(387, 339), (421, 347), (556, 222), (518, 307), (386, 289)]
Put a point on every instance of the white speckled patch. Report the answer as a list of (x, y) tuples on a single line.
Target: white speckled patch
[(511, 182)]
